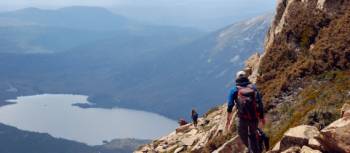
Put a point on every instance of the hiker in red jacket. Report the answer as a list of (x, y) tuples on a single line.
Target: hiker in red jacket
[(182, 122), (247, 99)]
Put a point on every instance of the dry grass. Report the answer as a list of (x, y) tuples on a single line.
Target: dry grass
[(212, 110), (305, 47), (317, 104), (313, 46)]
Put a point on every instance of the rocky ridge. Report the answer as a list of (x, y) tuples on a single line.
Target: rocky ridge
[(304, 77), (211, 136), (304, 73)]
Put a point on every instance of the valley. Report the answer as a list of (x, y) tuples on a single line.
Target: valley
[(126, 68), (115, 72)]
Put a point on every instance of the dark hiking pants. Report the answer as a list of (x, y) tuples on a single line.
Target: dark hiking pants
[(247, 131)]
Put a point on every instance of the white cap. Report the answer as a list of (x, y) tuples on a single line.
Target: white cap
[(241, 74)]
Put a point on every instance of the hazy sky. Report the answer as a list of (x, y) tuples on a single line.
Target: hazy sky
[(197, 13), (15, 4)]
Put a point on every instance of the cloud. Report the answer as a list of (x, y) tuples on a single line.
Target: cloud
[(210, 14), (17, 4), (203, 13)]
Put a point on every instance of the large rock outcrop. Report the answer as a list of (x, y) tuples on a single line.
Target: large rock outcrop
[(336, 136), (298, 136), (304, 77), (308, 139), (233, 145), (304, 71)]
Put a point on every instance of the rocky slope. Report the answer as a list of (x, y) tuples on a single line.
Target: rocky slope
[(207, 137), (304, 71), (304, 77), (211, 136), (309, 139)]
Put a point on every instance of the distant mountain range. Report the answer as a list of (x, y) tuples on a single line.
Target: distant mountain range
[(82, 18), (150, 68), (33, 30), (197, 74)]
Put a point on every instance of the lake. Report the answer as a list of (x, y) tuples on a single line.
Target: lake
[(54, 114)]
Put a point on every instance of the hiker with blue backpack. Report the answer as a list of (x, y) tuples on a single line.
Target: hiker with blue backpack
[(194, 116), (248, 102)]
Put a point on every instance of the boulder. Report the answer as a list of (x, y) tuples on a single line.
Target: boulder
[(298, 136), (145, 150), (276, 148), (320, 4), (183, 129), (203, 139), (294, 149), (252, 67), (345, 110), (165, 147), (193, 132), (189, 141), (346, 114), (180, 149), (171, 148), (336, 136), (306, 149), (233, 145), (315, 144), (252, 61)]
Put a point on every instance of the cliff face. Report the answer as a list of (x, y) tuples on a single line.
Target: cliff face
[(307, 38), (303, 73), (304, 76)]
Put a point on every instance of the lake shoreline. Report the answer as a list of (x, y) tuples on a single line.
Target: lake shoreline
[(134, 122), (96, 101)]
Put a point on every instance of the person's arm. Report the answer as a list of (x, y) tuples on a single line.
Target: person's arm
[(260, 106), (231, 103), (231, 99)]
